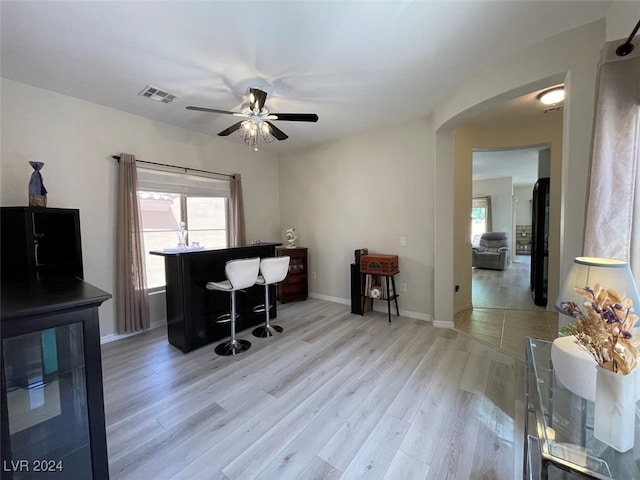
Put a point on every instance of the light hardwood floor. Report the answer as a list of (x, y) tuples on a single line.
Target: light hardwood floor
[(503, 310), (336, 396)]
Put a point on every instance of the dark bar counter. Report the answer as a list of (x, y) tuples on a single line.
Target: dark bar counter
[(192, 310)]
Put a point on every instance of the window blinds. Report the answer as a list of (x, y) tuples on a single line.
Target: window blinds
[(161, 179)]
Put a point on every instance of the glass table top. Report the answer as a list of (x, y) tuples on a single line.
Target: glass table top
[(564, 424)]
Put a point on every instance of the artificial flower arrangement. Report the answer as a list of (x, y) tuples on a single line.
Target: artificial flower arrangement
[(604, 330)]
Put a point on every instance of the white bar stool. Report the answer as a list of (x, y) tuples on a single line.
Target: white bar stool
[(240, 274), (272, 270)]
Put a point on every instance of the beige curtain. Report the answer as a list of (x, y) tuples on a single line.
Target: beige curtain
[(612, 227), (132, 306), (237, 234)]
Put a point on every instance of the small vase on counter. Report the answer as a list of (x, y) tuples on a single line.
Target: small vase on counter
[(182, 236)]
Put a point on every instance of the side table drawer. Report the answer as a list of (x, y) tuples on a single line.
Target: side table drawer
[(295, 279)]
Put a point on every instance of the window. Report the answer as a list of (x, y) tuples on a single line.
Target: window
[(167, 198), (480, 218)]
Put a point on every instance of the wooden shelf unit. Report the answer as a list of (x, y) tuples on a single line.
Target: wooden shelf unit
[(296, 285), (39, 242)]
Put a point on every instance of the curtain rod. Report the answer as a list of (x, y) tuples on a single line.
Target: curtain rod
[(627, 47), (186, 169)]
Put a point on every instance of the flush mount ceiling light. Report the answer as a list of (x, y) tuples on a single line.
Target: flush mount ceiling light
[(553, 96)]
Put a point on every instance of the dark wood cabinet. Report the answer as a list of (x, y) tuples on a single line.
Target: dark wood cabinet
[(52, 410), (296, 285), (39, 242), (540, 242)]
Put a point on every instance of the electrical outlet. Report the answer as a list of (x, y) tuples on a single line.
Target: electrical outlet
[(457, 288), (403, 287), (313, 275), (403, 241)]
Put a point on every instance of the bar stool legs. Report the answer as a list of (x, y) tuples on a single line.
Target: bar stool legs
[(273, 270), (233, 346), (240, 274), (267, 330)]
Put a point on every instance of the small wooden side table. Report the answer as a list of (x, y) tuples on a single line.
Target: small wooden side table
[(391, 292)]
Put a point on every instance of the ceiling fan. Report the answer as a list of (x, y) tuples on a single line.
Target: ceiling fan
[(257, 119)]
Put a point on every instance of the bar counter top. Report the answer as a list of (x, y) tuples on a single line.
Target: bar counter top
[(188, 250)]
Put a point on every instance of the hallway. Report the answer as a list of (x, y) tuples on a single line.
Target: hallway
[(504, 312)]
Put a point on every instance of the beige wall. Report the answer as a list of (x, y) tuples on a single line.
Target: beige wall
[(365, 191), (501, 191), (571, 57), (437, 166), (524, 195), (76, 139), (621, 19)]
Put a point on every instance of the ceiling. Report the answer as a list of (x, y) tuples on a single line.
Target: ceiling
[(520, 164), (359, 65)]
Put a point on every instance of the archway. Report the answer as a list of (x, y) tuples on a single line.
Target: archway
[(453, 160)]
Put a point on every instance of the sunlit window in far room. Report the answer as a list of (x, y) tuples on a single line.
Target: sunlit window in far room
[(478, 219)]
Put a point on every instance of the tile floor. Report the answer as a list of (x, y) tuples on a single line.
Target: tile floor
[(504, 312), (507, 329)]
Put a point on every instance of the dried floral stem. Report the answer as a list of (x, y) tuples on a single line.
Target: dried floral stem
[(605, 329)]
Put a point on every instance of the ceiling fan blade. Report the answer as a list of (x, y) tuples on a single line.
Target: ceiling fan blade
[(257, 98), (231, 129), (211, 110), (276, 132), (294, 117)]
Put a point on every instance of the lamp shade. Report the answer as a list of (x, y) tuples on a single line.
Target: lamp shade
[(608, 273)]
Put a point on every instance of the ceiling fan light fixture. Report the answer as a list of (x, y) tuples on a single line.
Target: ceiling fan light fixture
[(249, 132), (257, 119), (553, 96)]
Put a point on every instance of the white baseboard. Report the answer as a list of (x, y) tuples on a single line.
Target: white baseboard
[(116, 336), (343, 301), (378, 306), (443, 324), (462, 308)]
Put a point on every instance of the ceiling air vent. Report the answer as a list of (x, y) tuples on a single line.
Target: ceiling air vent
[(154, 93)]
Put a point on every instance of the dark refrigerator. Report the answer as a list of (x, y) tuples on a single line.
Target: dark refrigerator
[(540, 241)]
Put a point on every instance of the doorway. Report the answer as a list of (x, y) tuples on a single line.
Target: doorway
[(501, 310), (503, 182)]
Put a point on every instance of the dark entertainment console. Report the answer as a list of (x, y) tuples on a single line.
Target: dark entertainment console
[(53, 423), (51, 405), (193, 312)]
